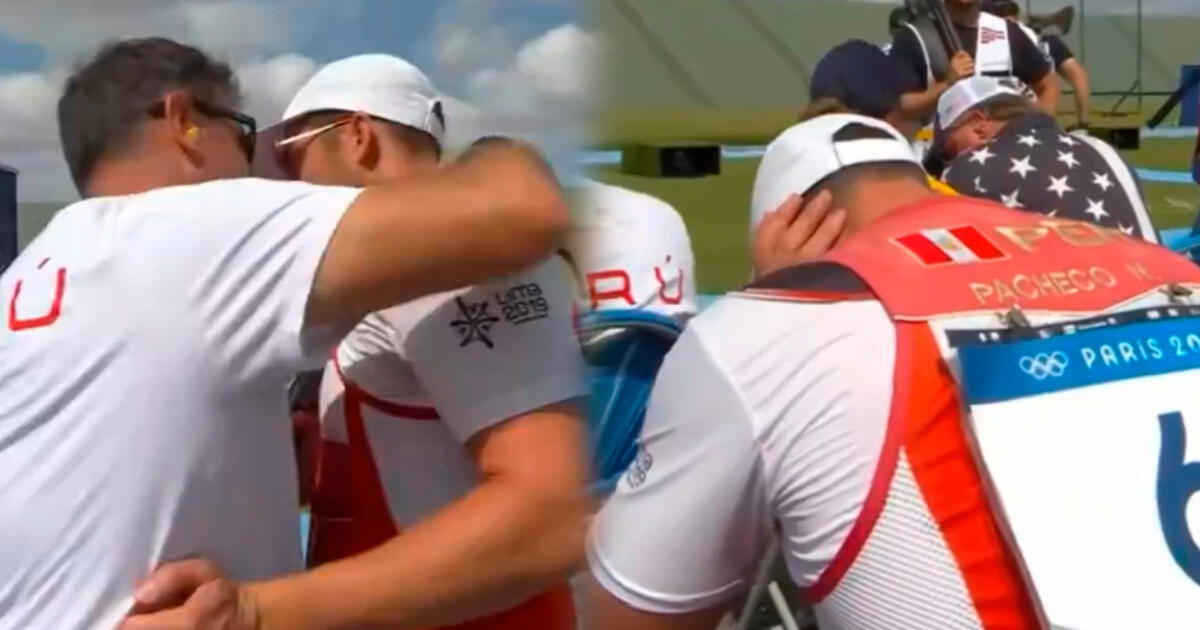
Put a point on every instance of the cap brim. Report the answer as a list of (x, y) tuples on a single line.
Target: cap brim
[(266, 159)]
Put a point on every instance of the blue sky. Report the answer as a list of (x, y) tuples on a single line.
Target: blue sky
[(498, 59)]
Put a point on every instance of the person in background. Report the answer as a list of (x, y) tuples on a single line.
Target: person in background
[(855, 77), (430, 411), (1000, 146), (992, 46), (862, 79), (1196, 161), (1062, 59), (153, 326), (637, 278), (896, 19)]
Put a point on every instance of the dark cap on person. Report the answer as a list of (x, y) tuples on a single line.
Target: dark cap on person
[(861, 76)]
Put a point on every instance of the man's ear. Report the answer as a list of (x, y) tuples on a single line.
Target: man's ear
[(181, 125), (178, 114), (362, 141)]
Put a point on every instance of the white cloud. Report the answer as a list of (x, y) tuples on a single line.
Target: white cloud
[(559, 63), (69, 29), (269, 85), (540, 87), (540, 92), (467, 39), (27, 105), (536, 87)]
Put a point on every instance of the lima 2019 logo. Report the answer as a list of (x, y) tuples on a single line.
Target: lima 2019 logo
[(519, 304)]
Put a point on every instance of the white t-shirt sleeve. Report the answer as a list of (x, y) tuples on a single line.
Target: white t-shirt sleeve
[(499, 350), (244, 254), (691, 517)]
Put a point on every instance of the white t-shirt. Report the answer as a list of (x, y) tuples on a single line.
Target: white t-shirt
[(694, 514), (143, 367), (634, 253), (474, 358)]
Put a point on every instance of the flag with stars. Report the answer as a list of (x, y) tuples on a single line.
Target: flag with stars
[(1032, 165)]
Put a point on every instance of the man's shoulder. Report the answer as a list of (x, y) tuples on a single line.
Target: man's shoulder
[(605, 204), (739, 326), (225, 196)]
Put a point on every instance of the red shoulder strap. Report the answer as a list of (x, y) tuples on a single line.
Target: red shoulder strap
[(958, 255)]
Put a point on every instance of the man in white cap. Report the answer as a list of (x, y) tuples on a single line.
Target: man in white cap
[(998, 145), (449, 421), (822, 405)]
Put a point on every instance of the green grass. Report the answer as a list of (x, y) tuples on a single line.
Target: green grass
[(716, 209)]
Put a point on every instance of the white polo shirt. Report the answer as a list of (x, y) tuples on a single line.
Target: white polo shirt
[(451, 365), (633, 252), (146, 345), (757, 421)]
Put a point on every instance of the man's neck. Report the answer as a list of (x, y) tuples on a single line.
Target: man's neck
[(967, 17), (883, 198), (129, 177)]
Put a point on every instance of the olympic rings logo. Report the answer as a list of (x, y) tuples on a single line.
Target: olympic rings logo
[(1044, 366)]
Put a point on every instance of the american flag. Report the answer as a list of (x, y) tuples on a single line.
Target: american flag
[(989, 35), (1032, 165)]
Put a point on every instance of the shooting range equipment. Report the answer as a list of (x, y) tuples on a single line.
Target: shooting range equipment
[(8, 216), (933, 23), (678, 159)]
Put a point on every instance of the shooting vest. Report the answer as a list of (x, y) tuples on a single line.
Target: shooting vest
[(350, 513), (1023, 482), (993, 50)]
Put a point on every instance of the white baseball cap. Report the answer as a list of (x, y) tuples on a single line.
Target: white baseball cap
[(807, 153), (380, 86), (966, 95)]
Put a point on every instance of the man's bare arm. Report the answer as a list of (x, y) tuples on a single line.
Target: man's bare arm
[(494, 214), (606, 611), (922, 105), (1048, 92), (517, 533), (1077, 75)]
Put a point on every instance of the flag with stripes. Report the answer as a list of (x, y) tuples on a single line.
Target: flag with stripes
[(938, 246), (989, 35)]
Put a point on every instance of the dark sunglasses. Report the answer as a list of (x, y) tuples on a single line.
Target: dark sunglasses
[(247, 126)]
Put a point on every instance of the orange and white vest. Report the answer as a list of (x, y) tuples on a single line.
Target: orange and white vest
[(350, 512), (1034, 450)]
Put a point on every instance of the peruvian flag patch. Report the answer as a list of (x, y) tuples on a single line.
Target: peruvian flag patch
[(939, 246)]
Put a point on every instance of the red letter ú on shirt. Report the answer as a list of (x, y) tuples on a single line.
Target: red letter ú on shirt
[(18, 323)]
